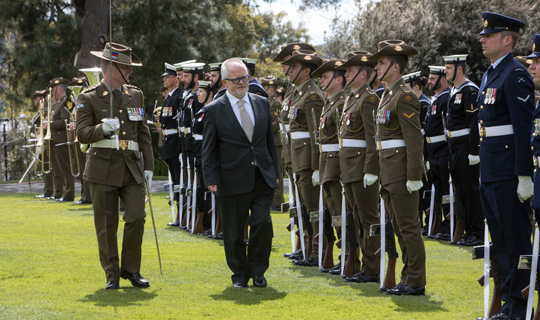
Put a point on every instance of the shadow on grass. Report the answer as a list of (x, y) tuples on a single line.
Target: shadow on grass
[(125, 297), (249, 296)]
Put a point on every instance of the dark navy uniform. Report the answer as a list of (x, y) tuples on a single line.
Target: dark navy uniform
[(256, 88), (220, 93), (535, 133), (379, 91), (463, 140), (438, 153), (171, 149), (506, 105)]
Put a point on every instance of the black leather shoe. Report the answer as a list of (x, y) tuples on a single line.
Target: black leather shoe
[(365, 278), (308, 262), (64, 200), (383, 289), (44, 195), (82, 202), (405, 290), (219, 236), (325, 270), (207, 232), (356, 275), (173, 224), (286, 255), (275, 208), (336, 270), (136, 279), (297, 256), (240, 285), (472, 240), (259, 281), (444, 237), (115, 284), (503, 316), (53, 198), (424, 230)]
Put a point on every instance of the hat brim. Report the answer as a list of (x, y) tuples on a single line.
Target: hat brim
[(63, 81), (322, 69), (357, 61), (316, 61), (534, 55), (490, 31), (167, 73), (391, 51), (135, 61)]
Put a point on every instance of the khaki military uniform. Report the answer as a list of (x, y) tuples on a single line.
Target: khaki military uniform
[(116, 173), (275, 107), (286, 138), (398, 125), (358, 155), (304, 152), (60, 155)]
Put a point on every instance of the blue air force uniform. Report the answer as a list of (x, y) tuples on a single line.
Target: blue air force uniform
[(535, 134), (506, 105)]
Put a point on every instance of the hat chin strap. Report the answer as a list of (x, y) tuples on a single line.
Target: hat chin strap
[(437, 83), (123, 78), (301, 68), (455, 73), (329, 83), (387, 69), (373, 81), (361, 67), (215, 85), (289, 68)]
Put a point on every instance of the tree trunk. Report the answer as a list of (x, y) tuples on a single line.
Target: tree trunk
[(95, 33)]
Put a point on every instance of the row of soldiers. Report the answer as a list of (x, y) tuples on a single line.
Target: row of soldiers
[(61, 165), (377, 143)]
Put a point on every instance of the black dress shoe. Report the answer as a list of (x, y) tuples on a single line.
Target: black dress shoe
[(424, 230), (53, 198), (136, 279), (405, 290), (219, 236), (325, 270), (240, 285), (383, 289), (503, 316), (356, 275), (473, 241), (82, 202), (207, 232), (64, 200), (365, 278), (275, 208), (286, 255), (259, 281), (182, 227), (308, 262), (444, 237), (173, 224), (44, 195), (336, 270), (297, 256), (112, 285)]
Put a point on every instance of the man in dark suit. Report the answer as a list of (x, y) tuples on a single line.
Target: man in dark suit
[(240, 166), (506, 103)]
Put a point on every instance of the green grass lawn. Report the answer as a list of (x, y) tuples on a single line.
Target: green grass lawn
[(49, 269)]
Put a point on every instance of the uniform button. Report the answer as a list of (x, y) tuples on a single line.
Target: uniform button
[(252, 163), (506, 147), (534, 134), (358, 152), (534, 170), (124, 133), (397, 151), (122, 121), (305, 143), (482, 107), (483, 92), (480, 139), (121, 111), (481, 122), (532, 148), (95, 152)]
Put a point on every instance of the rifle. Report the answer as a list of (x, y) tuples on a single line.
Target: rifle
[(352, 239), (390, 247), (300, 220), (181, 216), (194, 198), (531, 262), (328, 261), (495, 306)]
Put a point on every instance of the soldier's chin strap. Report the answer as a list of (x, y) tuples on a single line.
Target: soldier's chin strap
[(207, 96), (192, 82), (387, 69), (455, 73), (289, 68), (215, 86), (438, 82), (124, 78), (361, 67), (333, 77), (374, 78), (301, 68)]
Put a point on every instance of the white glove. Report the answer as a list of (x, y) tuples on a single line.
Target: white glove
[(38, 150), (315, 178), (369, 179), (148, 177), (427, 165), (107, 129), (525, 188), (414, 185), (473, 160)]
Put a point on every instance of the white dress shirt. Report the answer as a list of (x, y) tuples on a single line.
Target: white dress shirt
[(247, 105)]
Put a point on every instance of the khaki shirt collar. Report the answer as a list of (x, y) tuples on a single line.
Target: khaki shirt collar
[(108, 86), (303, 85), (335, 95), (360, 88)]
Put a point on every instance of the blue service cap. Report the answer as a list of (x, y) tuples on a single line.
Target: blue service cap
[(494, 23), (535, 47)]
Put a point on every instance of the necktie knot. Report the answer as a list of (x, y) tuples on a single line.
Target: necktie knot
[(240, 103), (490, 69)]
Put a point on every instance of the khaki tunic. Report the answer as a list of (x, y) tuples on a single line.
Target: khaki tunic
[(328, 134)]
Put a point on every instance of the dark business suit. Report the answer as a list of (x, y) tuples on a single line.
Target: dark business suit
[(502, 159), (229, 160)]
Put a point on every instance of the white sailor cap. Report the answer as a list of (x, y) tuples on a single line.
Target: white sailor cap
[(204, 84), (216, 66), (436, 70), (248, 61), (169, 70), (457, 58), (179, 65), (411, 76), (194, 67)]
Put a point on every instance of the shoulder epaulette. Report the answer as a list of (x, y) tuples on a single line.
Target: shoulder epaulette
[(132, 86), (92, 88)]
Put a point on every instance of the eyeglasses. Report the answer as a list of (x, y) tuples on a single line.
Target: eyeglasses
[(237, 80)]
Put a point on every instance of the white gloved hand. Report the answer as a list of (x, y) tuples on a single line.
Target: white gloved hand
[(107, 129), (525, 188), (473, 160), (38, 150), (427, 165), (315, 178), (414, 185), (369, 179), (148, 177)]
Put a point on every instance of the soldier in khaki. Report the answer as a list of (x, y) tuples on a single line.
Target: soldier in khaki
[(359, 161), (285, 54), (307, 101), (60, 112), (400, 145), (112, 172), (270, 85), (332, 83)]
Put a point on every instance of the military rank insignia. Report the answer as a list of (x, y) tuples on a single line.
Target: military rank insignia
[(491, 94), (458, 98), (135, 114), (537, 127), (383, 116)]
